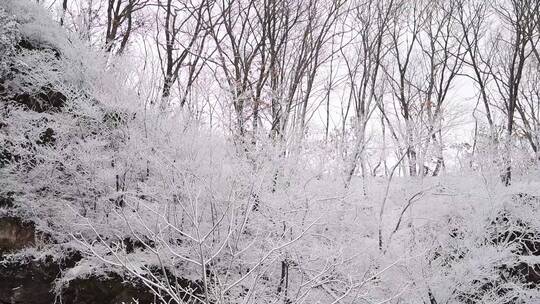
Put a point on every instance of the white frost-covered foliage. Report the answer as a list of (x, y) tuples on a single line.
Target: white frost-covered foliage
[(159, 199), (9, 36)]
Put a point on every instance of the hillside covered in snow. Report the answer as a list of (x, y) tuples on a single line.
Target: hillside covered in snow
[(107, 197)]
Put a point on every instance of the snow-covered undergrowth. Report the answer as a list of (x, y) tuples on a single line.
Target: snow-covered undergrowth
[(160, 200)]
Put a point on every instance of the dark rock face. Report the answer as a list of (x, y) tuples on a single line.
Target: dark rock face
[(46, 100), (20, 283), (111, 290), (32, 282), (28, 283), (25, 44), (15, 234)]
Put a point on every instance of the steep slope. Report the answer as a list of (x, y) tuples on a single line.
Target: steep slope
[(47, 105)]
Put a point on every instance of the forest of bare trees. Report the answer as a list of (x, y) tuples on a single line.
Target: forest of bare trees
[(373, 79), (278, 151)]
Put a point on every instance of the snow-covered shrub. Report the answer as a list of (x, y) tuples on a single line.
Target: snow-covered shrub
[(156, 198), (484, 252)]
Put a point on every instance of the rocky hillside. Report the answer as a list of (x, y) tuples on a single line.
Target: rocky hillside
[(49, 107)]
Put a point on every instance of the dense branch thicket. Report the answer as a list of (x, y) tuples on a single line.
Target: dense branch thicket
[(378, 78)]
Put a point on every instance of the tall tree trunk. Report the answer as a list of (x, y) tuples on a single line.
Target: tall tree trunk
[(64, 10)]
